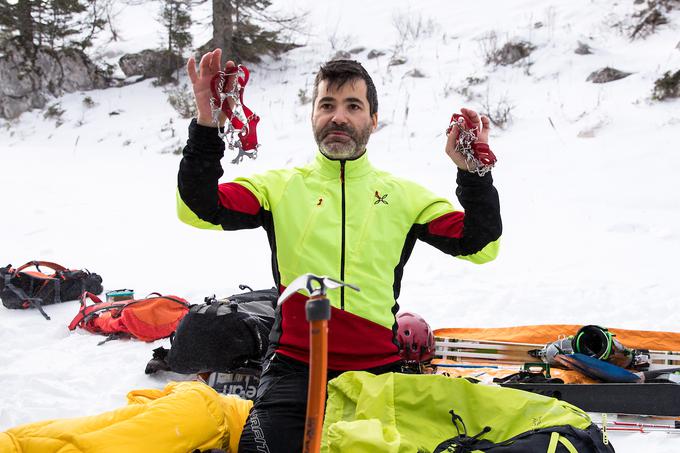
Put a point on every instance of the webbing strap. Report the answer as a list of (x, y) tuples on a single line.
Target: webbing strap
[(552, 446), (252, 324), (212, 309), (556, 438), (113, 336), (80, 317), (568, 445), (57, 291), (35, 303), (53, 266)]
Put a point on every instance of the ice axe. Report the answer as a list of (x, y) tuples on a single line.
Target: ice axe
[(318, 312)]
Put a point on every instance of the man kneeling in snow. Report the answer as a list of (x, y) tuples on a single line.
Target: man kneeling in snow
[(338, 216)]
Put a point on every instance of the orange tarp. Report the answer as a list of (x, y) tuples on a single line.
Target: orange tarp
[(542, 334)]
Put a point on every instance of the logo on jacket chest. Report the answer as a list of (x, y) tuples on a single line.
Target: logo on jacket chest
[(380, 198)]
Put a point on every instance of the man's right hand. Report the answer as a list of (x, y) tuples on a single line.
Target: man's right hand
[(200, 81)]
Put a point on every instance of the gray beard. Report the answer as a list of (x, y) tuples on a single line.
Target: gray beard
[(341, 151), (345, 151)]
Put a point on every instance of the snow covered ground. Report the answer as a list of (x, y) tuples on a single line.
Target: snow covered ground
[(586, 176)]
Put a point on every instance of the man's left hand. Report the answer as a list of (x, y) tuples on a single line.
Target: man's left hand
[(482, 124)]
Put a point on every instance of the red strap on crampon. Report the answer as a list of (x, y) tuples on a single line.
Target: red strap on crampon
[(247, 132), (481, 151)]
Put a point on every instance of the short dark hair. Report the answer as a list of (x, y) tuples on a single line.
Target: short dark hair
[(339, 72)]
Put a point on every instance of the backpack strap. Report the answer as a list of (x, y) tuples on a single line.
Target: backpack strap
[(57, 291), (35, 302), (54, 266), (254, 325), (8, 276), (83, 312), (113, 336), (212, 309), (169, 297), (43, 285)]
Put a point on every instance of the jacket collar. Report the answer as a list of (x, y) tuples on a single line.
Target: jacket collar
[(353, 168)]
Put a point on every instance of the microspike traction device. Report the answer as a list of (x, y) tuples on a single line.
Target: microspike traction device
[(240, 131), (479, 157)]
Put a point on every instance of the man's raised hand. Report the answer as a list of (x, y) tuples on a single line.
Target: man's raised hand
[(209, 66), (480, 123)]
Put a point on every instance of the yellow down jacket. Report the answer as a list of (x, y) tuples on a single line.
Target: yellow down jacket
[(178, 419)]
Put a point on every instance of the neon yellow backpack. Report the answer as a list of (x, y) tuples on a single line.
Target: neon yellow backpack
[(400, 413)]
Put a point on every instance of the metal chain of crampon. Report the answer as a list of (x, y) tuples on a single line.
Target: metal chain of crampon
[(240, 130), (478, 156)]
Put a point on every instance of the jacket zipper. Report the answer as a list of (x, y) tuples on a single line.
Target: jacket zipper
[(342, 250)]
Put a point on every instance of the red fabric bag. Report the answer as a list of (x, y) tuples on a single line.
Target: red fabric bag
[(147, 319)]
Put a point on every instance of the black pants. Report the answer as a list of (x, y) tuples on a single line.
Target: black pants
[(277, 420)]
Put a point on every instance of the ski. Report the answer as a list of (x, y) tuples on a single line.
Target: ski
[(662, 399), (475, 351), (639, 399), (490, 352)]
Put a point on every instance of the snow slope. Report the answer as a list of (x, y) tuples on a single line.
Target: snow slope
[(590, 223)]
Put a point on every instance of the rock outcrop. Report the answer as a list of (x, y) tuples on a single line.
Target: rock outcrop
[(150, 63), (29, 81)]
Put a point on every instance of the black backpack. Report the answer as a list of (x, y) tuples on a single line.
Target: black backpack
[(565, 438), (224, 335), (22, 288)]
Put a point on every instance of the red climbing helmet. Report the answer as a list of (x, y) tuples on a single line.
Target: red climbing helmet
[(415, 338)]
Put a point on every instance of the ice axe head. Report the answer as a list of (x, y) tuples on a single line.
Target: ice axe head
[(316, 286), (313, 285)]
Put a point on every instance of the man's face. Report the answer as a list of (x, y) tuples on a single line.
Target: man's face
[(341, 120)]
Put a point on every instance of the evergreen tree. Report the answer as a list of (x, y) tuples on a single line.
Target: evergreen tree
[(239, 29), (175, 16), (16, 21), (52, 24), (59, 27)]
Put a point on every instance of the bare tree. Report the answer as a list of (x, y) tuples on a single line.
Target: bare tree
[(223, 25)]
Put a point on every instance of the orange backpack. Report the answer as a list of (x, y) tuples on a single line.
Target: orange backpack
[(147, 319)]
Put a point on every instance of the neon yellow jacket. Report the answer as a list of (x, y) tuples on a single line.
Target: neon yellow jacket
[(344, 219)]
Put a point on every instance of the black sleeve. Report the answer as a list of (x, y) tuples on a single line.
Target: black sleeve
[(229, 205), (465, 234)]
